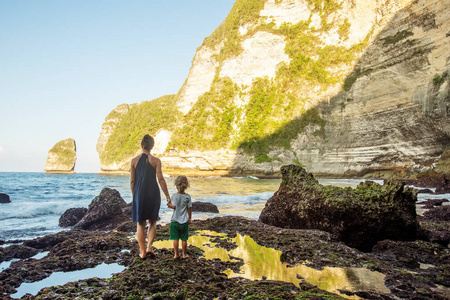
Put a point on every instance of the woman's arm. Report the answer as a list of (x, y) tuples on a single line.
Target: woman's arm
[(161, 180), (133, 176)]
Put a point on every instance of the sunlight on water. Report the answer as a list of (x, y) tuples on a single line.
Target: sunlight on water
[(261, 261)]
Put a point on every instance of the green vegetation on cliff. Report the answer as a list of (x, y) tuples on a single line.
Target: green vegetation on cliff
[(65, 150), (146, 117), (269, 113), (208, 126)]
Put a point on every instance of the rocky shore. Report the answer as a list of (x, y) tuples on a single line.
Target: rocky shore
[(416, 268)]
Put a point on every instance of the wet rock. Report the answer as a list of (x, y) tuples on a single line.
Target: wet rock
[(47, 242), (359, 217), (17, 251), (127, 226), (430, 203), (438, 214), (72, 216), (199, 278), (425, 191), (75, 250), (4, 198), (438, 180), (199, 206), (435, 225), (105, 212), (127, 210)]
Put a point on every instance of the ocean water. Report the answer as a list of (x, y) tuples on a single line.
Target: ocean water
[(39, 199)]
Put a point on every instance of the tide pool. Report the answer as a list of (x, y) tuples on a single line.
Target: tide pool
[(263, 262)]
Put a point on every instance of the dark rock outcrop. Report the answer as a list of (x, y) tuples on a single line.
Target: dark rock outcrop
[(199, 206), (425, 191), (17, 251), (435, 225), (412, 269), (4, 198), (105, 212), (359, 217), (72, 216), (430, 203), (438, 180)]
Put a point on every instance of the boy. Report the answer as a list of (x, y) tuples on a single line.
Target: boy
[(179, 226)]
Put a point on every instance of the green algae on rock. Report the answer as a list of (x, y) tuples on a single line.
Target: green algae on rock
[(62, 157), (259, 262), (359, 217)]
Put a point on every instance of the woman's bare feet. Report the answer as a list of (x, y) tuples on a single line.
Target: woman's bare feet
[(176, 257), (142, 255), (185, 256), (151, 253)]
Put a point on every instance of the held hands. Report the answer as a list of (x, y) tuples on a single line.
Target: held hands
[(169, 203)]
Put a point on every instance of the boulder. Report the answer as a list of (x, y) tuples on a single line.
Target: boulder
[(105, 211), (199, 206), (359, 217), (4, 198), (72, 216)]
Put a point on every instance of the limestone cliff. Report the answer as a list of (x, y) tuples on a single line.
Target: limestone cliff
[(62, 157), (341, 87)]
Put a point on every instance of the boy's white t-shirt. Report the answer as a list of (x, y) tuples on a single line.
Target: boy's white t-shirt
[(182, 202)]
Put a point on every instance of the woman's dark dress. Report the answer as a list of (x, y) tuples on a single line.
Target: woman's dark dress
[(146, 194)]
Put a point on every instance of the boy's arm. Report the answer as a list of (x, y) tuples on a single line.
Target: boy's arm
[(169, 203), (190, 214)]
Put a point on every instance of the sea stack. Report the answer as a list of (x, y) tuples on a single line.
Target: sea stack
[(61, 158)]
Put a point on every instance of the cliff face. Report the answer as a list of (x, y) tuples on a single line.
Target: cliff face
[(341, 87), (62, 157)]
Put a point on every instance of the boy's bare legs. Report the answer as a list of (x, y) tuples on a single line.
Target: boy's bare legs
[(140, 235), (175, 249), (151, 236), (184, 247)]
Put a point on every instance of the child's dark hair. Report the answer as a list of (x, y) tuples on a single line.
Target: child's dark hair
[(182, 183)]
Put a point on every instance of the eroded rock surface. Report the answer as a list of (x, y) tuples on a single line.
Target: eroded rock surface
[(105, 212), (412, 268), (359, 217), (72, 216)]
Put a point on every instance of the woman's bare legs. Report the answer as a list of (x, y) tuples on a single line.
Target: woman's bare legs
[(151, 236), (140, 233)]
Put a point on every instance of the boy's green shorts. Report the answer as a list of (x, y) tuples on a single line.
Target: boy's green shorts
[(179, 231)]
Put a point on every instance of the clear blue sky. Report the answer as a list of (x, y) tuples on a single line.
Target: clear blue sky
[(65, 64)]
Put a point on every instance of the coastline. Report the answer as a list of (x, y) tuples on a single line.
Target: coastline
[(226, 276)]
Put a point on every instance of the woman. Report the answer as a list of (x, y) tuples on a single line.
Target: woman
[(145, 168)]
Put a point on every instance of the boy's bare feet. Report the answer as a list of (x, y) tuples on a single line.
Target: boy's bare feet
[(142, 255), (176, 257), (185, 256)]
